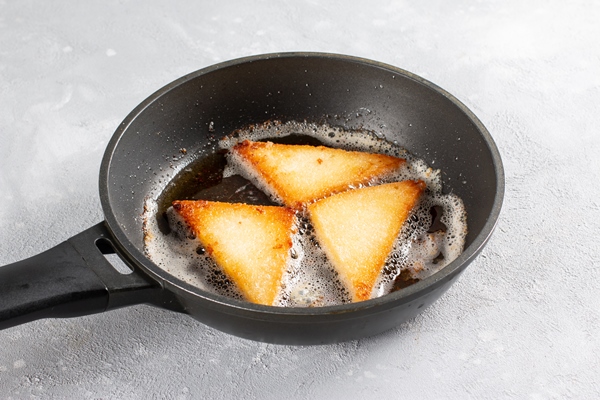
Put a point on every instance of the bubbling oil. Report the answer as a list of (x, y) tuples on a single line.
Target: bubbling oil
[(431, 238)]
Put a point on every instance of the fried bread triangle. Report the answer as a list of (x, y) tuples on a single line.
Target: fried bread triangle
[(299, 174), (250, 243), (357, 230)]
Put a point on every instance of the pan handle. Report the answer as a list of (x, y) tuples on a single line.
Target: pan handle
[(71, 279)]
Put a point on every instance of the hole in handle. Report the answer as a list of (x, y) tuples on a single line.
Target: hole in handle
[(108, 251)]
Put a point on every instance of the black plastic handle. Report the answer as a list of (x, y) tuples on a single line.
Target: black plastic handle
[(71, 279)]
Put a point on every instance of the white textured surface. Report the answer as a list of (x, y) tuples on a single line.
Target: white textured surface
[(522, 322)]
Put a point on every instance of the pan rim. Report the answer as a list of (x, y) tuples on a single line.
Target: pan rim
[(229, 305)]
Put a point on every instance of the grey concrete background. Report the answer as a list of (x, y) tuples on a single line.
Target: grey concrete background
[(523, 322)]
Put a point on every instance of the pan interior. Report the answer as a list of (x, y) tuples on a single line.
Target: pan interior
[(183, 122)]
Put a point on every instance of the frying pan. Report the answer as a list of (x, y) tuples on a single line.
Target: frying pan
[(75, 278)]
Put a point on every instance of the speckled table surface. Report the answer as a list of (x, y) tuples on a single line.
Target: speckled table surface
[(522, 322)]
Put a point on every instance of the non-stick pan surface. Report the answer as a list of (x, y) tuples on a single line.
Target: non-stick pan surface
[(192, 113)]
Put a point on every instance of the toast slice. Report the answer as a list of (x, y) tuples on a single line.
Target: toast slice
[(300, 174), (357, 230), (250, 243)]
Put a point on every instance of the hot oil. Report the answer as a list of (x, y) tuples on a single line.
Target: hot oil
[(204, 180), (202, 174), (431, 238)]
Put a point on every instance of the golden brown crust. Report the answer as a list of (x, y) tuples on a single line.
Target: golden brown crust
[(357, 230), (250, 243), (300, 174)]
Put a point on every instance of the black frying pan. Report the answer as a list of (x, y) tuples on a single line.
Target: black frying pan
[(74, 278)]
